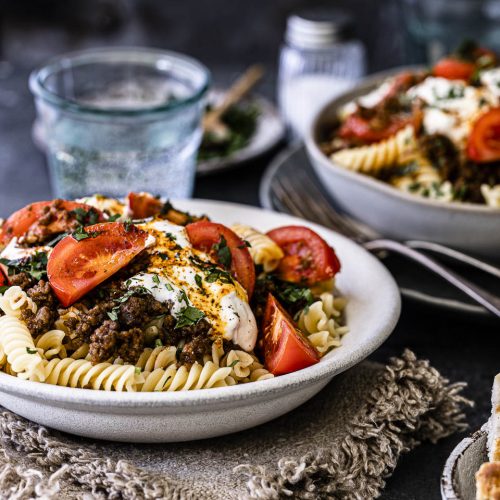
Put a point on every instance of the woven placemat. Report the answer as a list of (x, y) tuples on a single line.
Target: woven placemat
[(343, 443)]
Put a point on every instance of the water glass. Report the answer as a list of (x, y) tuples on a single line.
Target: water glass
[(121, 119)]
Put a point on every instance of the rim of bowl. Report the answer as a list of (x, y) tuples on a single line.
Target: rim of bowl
[(327, 367), (314, 150), (448, 490), (137, 55)]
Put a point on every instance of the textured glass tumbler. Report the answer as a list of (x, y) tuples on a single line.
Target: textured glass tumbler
[(121, 119)]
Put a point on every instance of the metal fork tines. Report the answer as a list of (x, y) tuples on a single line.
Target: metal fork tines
[(303, 198)]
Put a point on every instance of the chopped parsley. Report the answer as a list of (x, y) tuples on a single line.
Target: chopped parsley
[(113, 314), (223, 252), (158, 343), (163, 256), (80, 234), (183, 296), (199, 281), (169, 287), (29, 350), (156, 279), (171, 236), (128, 224), (113, 218), (35, 266), (138, 370), (4, 288), (414, 186), (86, 217), (189, 316), (234, 363)]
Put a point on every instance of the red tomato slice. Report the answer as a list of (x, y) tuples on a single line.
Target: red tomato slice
[(356, 127), (454, 69), (204, 235), (142, 205), (3, 278), (308, 257), (285, 348), (483, 145), (25, 219), (76, 267)]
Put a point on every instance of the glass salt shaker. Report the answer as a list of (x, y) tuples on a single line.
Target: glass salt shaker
[(319, 60)]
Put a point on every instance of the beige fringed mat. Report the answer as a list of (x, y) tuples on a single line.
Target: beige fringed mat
[(343, 443)]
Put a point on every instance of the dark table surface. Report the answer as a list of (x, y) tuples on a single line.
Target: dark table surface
[(463, 348)]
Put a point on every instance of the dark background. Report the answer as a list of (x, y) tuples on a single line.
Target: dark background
[(228, 35)]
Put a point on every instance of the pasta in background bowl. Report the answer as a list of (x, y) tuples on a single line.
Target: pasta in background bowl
[(393, 212), (371, 312)]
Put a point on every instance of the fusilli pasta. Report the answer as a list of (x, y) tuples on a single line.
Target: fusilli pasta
[(81, 373), (18, 347), (375, 157), (14, 300), (319, 322), (264, 250), (51, 344)]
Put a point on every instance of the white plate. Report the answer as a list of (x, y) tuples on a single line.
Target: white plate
[(395, 213), (372, 312), (269, 132), (458, 480)]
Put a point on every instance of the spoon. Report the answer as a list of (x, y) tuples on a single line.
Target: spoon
[(212, 121)]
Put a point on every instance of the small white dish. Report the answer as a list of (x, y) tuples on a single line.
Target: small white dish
[(395, 213), (269, 132), (458, 480), (372, 312)]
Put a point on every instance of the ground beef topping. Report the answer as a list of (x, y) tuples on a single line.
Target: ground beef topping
[(108, 341)]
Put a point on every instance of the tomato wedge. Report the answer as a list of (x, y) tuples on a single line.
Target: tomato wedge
[(142, 205), (454, 69), (205, 235), (356, 127), (483, 145), (76, 267), (3, 279), (308, 257), (25, 219), (285, 348)]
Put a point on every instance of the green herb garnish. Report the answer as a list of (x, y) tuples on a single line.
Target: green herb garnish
[(35, 266), (189, 316), (86, 217), (223, 252), (113, 218), (29, 350), (156, 279), (158, 343), (4, 288), (234, 363)]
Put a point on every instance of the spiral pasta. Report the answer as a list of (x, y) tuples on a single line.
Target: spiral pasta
[(245, 367), (14, 300), (264, 250), (319, 322), (19, 349), (491, 195), (51, 344), (82, 373), (375, 157)]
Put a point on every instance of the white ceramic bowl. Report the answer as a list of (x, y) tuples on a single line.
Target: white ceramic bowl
[(458, 480), (392, 212), (372, 312)]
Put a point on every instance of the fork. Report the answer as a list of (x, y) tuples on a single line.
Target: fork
[(310, 203)]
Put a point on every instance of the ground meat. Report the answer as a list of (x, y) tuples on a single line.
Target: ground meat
[(42, 294), (136, 310), (23, 280), (442, 153), (39, 322), (55, 220), (109, 341), (195, 349), (85, 325)]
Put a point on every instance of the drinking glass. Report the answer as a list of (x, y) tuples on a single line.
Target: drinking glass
[(436, 27), (121, 119)]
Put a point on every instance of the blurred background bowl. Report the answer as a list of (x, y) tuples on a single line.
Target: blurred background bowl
[(390, 211)]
